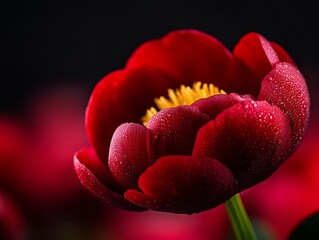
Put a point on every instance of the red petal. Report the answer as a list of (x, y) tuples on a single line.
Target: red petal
[(179, 125), (132, 150), (212, 106), (93, 184), (122, 96), (257, 53), (184, 184), (251, 138), (188, 55), (286, 87), (282, 54)]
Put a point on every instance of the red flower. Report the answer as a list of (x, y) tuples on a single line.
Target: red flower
[(192, 158), (37, 147)]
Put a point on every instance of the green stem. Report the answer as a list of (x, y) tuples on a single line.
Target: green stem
[(239, 219)]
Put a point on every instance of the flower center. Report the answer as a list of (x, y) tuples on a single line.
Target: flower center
[(182, 96)]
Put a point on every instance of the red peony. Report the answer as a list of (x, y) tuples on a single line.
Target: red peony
[(35, 150), (200, 145)]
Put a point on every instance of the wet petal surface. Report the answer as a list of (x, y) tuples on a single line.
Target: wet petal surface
[(184, 184), (251, 138), (286, 87), (94, 185)]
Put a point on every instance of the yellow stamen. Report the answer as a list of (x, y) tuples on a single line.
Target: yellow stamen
[(182, 96)]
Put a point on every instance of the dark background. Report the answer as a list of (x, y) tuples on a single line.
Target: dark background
[(48, 43)]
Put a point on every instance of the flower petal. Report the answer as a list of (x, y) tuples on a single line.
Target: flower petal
[(133, 148), (257, 53), (188, 55), (122, 96), (94, 185), (250, 138), (259, 56), (184, 184), (179, 125), (213, 105), (286, 87), (282, 54)]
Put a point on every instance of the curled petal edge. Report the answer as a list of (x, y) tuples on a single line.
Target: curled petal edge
[(252, 138), (90, 182), (293, 99), (184, 184)]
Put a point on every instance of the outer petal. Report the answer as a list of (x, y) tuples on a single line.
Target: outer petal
[(251, 138), (179, 125), (177, 51), (214, 105), (122, 96), (189, 56), (282, 54), (260, 57), (257, 53), (286, 87), (94, 185), (184, 184), (133, 148)]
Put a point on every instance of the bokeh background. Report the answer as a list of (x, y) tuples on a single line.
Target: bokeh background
[(52, 54)]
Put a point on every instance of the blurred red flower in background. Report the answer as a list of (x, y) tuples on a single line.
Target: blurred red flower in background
[(192, 158), (36, 167), (36, 148)]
